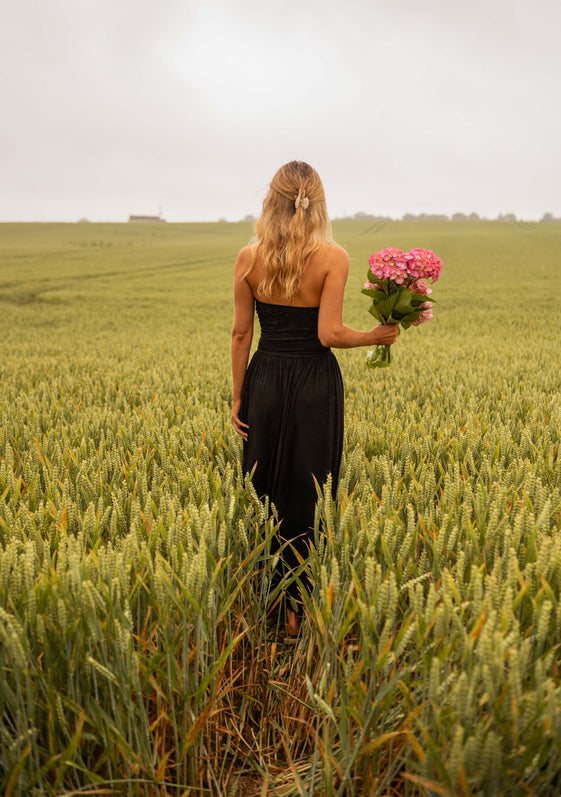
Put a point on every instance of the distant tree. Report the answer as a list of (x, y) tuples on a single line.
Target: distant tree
[(459, 217), (361, 216), (473, 217), (506, 217), (549, 218), (83, 220), (424, 217), (249, 219), (222, 220)]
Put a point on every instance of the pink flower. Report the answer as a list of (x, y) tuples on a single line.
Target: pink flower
[(422, 263), (426, 315), (420, 286), (373, 286), (389, 264)]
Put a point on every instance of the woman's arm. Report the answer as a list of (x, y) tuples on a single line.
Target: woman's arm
[(331, 330), (242, 335)]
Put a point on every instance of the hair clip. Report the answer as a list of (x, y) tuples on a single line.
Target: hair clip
[(301, 199)]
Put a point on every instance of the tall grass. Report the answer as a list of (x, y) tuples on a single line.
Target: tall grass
[(140, 646)]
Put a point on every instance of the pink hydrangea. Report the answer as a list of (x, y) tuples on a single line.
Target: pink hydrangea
[(422, 263), (390, 264), (372, 286), (426, 315), (420, 286)]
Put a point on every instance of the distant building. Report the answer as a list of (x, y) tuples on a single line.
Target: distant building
[(145, 219)]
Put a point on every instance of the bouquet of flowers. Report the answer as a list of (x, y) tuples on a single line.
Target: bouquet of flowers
[(397, 284)]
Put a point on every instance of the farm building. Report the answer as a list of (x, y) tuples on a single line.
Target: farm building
[(145, 218)]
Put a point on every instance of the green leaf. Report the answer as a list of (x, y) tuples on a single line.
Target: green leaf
[(403, 303), (373, 310), (418, 299), (375, 295), (386, 307)]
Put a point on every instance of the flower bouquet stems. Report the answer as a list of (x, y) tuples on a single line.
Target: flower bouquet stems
[(379, 357)]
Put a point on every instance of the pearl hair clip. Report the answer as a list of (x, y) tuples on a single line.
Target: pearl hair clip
[(301, 199)]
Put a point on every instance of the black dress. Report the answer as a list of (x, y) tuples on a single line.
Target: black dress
[(293, 401)]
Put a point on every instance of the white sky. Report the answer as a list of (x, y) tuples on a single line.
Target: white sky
[(111, 107)]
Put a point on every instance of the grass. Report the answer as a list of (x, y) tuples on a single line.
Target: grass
[(135, 648)]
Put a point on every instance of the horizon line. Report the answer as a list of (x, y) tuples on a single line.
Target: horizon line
[(547, 217)]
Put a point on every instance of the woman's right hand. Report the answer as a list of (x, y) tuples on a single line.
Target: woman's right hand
[(239, 426), (385, 334)]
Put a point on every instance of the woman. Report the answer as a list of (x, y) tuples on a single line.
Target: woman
[(288, 405)]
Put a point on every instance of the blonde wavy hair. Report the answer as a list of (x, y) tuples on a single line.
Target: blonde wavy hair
[(286, 236)]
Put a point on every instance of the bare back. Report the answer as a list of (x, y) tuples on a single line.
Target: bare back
[(324, 260)]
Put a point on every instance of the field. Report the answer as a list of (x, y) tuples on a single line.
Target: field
[(135, 654)]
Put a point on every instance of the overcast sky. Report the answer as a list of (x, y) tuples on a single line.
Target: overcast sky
[(112, 107)]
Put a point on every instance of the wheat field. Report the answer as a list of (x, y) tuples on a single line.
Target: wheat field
[(135, 651)]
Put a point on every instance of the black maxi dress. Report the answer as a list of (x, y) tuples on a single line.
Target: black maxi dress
[(292, 399)]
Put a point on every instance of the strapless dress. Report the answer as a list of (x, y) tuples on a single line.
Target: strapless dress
[(293, 401)]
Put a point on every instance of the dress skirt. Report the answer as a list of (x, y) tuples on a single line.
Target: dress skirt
[(293, 402)]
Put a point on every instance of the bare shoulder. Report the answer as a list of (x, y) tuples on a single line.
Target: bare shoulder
[(245, 254), (244, 259), (337, 258), (337, 252)]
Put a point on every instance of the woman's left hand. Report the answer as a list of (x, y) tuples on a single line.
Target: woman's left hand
[(239, 426)]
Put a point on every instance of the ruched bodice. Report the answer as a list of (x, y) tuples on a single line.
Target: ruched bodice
[(292, 401), (288, 330)]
